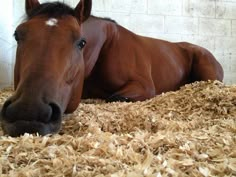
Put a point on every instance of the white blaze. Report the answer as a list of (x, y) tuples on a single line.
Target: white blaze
[(52, 22)]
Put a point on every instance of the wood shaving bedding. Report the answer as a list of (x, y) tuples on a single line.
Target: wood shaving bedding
[(190, 132)]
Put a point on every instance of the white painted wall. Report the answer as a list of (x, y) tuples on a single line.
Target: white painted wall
[(208, 23), (6, 43)]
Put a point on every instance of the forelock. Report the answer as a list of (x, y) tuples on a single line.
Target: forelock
[(52, 10)]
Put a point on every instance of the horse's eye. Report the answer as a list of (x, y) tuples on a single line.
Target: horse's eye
[(16, 35), (81, 43)]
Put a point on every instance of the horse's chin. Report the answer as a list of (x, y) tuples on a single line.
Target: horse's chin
[(21, 127)]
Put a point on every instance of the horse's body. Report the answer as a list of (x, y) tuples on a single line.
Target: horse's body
[(121, 63), (52, 74)]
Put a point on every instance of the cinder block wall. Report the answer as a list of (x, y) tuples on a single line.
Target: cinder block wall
[(208, 23)]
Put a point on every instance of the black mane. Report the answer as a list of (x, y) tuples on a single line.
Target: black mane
[(105, 18), (56, 10), (53, 9), (109, 19)]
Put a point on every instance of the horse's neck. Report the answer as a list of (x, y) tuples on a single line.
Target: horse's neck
[(97, 33)]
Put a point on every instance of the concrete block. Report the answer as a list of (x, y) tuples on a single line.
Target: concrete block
[(137, 6), (129, 6), (227, 60), (217, 27), (101, 5), (167, 7), (195, 8), (234, 27), (225, 45), (204, 41), (230, 79), (123, 20), (147, 23), (121, 6), (226, 10), (181, 25)]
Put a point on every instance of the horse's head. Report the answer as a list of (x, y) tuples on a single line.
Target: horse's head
[(49, 68)]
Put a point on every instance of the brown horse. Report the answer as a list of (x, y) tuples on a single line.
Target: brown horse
[(120, 65), (49, 68), (51, 74)]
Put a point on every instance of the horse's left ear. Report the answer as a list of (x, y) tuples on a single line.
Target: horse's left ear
[(83, 10), (30, 4)]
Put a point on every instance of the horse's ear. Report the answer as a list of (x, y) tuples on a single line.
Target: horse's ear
[(83, 10), (30, 4)]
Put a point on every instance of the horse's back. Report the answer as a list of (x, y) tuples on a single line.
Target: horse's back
[(199, 59)]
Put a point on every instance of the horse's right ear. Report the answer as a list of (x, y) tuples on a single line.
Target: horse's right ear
[(31, 4)]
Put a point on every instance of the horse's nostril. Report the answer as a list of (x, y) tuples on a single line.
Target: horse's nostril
[(5, 106), (56, 112)]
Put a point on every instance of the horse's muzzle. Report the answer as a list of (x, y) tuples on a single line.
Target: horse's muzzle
[(18, 118), (20, 127)]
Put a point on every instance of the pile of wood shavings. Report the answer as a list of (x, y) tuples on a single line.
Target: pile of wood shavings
[(190, 132)]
